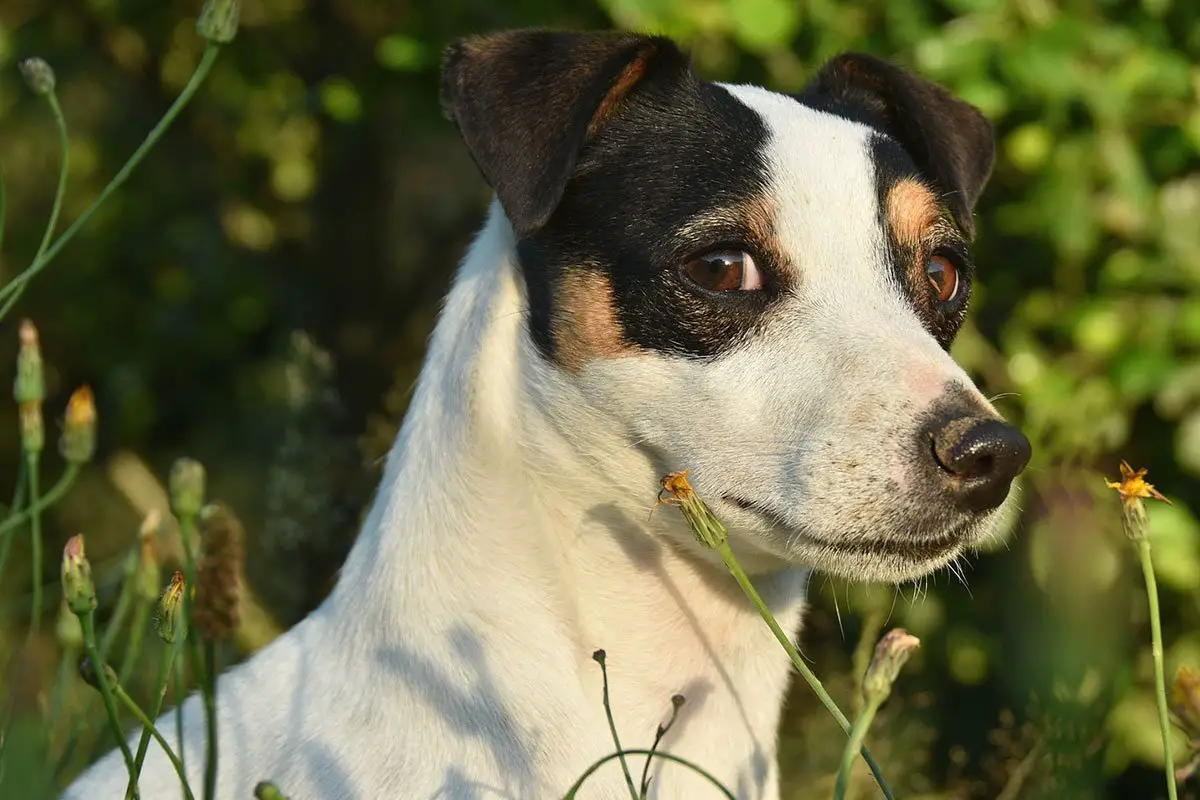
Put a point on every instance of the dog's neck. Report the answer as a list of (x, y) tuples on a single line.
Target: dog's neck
[(517, 542)]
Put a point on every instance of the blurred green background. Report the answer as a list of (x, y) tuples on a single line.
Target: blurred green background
[(259, 294)]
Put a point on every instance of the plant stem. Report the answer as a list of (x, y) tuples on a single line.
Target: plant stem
[(137, 712), (13, 510), (643, 752), (600, 658), (658, 735), (180, 696), (853, 745), (210, 719), (137, 632), (118, 616), (814, 682), (35, 540), (202, 69), (89, 639), (165, 668), (1156, 649), (60, 191), (48, 499)]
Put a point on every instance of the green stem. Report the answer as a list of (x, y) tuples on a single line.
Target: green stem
[(210, 719), (137, 712), (59, 193), (13, 510), (853, 745), (137, 633), (66, 669), (89, 639), (202, 69), (642, 752), (1156, 649), (600, 658), (118, 616), (658, 735), (813, 681), (48, 499), (164, 678), (35, 540), (180, 696)]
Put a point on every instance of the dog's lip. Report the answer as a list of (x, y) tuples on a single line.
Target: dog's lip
[(915, 549)]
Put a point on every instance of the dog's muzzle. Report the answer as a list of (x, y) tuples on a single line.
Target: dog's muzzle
[(977, 458)]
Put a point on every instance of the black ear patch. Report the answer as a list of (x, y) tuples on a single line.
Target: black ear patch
[(951, 141), (526, 101)]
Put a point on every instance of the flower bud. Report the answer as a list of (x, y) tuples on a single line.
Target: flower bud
[(187, 487), (77, 577), (891, 653), (709, 530), (30, 385), (266, 790), (218, 20), (38, 74), (87, 671), (170, 610), (78, 442)]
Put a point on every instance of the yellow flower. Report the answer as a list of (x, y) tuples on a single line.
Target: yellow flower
[(1133, 485)]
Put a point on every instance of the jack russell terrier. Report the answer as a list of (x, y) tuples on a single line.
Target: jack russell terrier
[(675, 274)]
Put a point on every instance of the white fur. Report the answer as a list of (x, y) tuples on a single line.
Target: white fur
[(515, 532)]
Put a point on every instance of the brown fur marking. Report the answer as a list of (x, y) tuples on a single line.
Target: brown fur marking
[(911, 211), (585, 323)]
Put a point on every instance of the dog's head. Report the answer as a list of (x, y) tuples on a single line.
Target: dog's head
[(756, 286)]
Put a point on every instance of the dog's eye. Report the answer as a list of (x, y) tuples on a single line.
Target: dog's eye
[(943, 277), (724, 271)]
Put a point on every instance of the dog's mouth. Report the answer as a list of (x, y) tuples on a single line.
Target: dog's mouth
[(922, 549)]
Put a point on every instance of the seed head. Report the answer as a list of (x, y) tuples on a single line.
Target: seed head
[(77, 577), (38, 74), (218, 20), (187, 487), (1185, 701), (891, 653), (219, 572), (78, 442), (170, 610)]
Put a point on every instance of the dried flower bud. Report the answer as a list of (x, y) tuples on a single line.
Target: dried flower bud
[(30, 384), (218, 20), (38, 74), (1185, 701), (170, 610), (219, 572), (187, 487), (147, 572), (709, 530), (266, 790), (33, 429), (67, 628), (891, 653), (87, 671), (78, 442), (77, 577), (1133, 488)]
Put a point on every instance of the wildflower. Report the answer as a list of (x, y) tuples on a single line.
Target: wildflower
[(218, 20), (77, 577), (87, 671), (187, 487), (78, 442), (38, 74), (709, 530), (1133, 488), (891, 653), (170, 610), (219, 572)]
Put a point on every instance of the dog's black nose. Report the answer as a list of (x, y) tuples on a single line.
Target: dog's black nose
[(980, 457)]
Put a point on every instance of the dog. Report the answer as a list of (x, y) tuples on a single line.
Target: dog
[(758, 287)]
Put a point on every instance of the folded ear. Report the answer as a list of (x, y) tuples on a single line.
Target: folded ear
[(951, 141), (526, 101)]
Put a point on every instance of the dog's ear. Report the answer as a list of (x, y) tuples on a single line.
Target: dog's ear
[(951, 141), (526, 101)]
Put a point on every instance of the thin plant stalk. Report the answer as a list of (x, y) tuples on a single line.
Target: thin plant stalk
[(110, 706), (165, 670), (676, 704), (570, 795), (35, 539), (19, 492), (711, 532), (201, 72), (180, 696), (141, 717), (1156, 650), (600, 658), (858, 735), (137, 634), (15, 519), (117, 620), (66, 675), (210, 719), (60, 192)]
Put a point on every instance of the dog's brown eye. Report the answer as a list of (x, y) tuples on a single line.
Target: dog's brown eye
[(725, 271), (943, 277)]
